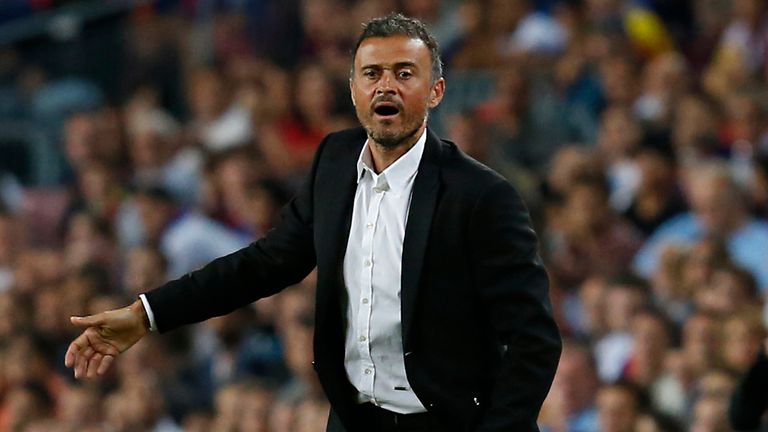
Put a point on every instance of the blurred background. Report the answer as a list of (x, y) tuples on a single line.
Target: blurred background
[(140, 139)]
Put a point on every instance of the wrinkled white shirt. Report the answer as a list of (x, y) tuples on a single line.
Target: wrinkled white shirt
[(374, 358)]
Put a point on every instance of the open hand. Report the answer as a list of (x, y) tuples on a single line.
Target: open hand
[(106, 335)]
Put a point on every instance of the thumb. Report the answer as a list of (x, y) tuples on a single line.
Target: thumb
[(88, 321)]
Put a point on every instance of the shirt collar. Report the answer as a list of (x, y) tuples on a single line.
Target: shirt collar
[(397, 174)]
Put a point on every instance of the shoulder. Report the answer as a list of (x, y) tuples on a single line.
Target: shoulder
[(756, 230), (194, 226), (336, 156), (456, 162), (684, 224), (758, 225), (462, 174), (343, 142)]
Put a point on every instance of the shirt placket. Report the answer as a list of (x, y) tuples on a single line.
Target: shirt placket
[(366, 283)]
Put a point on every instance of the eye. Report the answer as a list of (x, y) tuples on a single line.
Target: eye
[(370, 73), (404, 74)]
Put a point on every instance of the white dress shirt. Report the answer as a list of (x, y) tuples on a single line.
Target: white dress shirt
[(374, 358)]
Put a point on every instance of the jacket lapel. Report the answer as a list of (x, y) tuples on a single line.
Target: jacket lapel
[(335, 207), (423, 201)]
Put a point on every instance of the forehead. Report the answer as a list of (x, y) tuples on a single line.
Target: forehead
[(392, 50), (646, 322), (708, 190)]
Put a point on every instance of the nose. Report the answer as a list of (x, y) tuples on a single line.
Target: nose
[(385, 83)]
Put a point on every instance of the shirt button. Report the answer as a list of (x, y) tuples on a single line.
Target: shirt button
[(369, 225), (367, 371), (365, 301), (362, 338), (367, 263)]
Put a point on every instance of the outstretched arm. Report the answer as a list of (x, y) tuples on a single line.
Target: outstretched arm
[(282, 258), (106, 335)]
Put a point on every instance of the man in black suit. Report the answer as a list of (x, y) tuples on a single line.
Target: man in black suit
[(432, 310)]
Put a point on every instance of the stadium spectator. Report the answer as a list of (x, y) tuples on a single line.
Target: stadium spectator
[(592, 239), (570, 405), (719, 210), (186, 238), (618, 407), (219, 105)]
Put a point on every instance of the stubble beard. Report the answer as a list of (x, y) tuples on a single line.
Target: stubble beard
[(393, 139)]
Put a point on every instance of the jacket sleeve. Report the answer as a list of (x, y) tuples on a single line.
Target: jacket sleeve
[(514, 289), (283, 257), (749, 401)]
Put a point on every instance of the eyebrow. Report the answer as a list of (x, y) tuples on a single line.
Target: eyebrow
[(395, 66)]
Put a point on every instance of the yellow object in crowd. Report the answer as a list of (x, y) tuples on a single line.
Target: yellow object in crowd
[(647, 31)]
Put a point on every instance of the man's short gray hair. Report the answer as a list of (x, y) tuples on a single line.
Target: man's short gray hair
[(397, 24)]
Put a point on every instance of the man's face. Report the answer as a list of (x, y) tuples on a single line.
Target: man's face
[(576, 380), (154, 214), (392, 88), (714, 205), (650, 338), (617, 409)]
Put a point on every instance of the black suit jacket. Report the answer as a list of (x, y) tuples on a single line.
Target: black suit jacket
[(749, 401), (480, 344)]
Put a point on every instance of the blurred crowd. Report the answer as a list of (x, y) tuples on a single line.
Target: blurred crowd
[(138, 146)]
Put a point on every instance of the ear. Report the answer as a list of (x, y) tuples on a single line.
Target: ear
[(352, 92), (437, 93)]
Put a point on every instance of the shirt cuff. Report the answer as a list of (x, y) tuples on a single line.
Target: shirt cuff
[(148, 310)]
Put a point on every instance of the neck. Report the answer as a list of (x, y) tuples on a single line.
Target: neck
[(384, 156)]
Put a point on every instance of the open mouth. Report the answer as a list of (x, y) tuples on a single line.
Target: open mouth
[(386, 109)]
